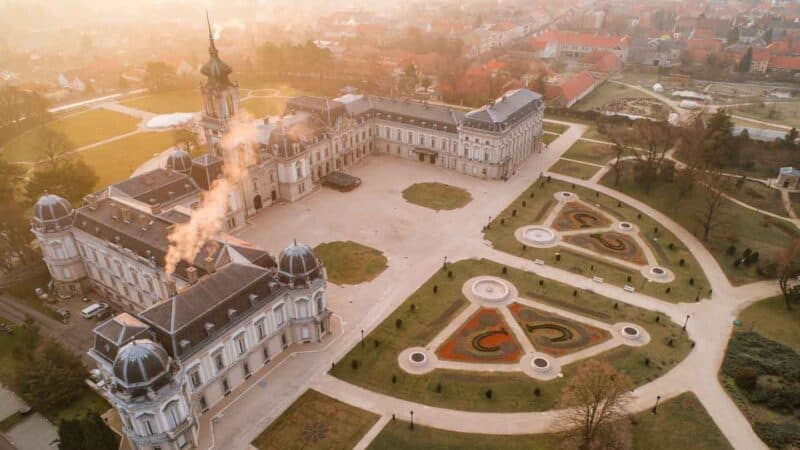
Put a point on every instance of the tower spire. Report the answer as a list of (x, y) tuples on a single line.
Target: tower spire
[(212, 47)]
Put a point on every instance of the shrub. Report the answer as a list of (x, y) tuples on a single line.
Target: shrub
[(681, 262), (394, 379), (438, 388), (489, 394), (746, 378), (778, 435), (398, 323), (537, 392), (505, 270), (435, 288), (747, 252), (731, 250), (354, 364)]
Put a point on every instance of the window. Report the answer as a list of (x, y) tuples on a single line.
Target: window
[(279, 318), (299, 169), (265, 352), (173, 414), (219, 361), (148, 424), (246, 369), (226, 387), (320, 304), (421, 139), (194, 375), (410, 137), (203, 403), (284, 341), (302, 309), (241, 346), (260, 333)]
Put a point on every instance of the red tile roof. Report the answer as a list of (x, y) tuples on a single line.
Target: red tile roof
[(785, 62), (586, 39), (571, 88)]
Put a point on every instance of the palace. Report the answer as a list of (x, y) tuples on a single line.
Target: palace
[(186, 339)]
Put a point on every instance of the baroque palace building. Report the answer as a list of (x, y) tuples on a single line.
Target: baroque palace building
[(183, 341)]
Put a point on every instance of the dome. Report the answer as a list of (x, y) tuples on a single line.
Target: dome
[(52, 213), (179, 161), (140, 364), (297, 264)]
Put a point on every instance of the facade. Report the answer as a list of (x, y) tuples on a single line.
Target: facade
[(788, 178)]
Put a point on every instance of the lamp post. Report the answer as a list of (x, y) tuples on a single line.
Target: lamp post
[(686, 322), (411, 425), (656, 405), (362, 338), (445, 261)]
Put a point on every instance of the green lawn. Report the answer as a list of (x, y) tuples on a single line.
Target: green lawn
[(605, 94), (262, 107), (758, 195), (666, 247), (795, 199), (512, 392), (180, 100), (785, 113), (737, 225), (771, 319), (685, 413), (316, 421), (590, 152), (437, 196), (554, 127), (350, 262), (115, 161), (548, 138), (81, 129), (573, 169), (10, 363)]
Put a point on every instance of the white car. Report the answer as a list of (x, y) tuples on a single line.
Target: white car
[(93, 310)]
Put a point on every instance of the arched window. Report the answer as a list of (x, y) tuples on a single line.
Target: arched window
[(173, 414), (147, 423), (320, 300), (302, 308), (299, 169)]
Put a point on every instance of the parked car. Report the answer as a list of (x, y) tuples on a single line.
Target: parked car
[(64, 314), (93, 310), (104, 314)]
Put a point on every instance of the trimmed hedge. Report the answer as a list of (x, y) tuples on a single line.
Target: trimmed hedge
[(778, 435)]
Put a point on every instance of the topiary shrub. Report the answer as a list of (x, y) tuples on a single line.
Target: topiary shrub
[(488, 394), (398, 323), (354, 364), (746, 378)]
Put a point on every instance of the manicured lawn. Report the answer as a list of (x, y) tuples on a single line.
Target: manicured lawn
[(785, 113), (316, 421), (795, 198), (377, 363), (737, 225), (548, 138), (684, 412), (573, 169), (181, 100), (607, 93), (350, 262), (758, 195), (262, 107), (771, 319), (115, 161), (689, 277), (11, 363), (554, 127), (590, 152), (437, 196), (81, 129)]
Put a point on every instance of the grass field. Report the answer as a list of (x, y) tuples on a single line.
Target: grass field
[(684, 412), (771, 319), (760, 196), (81, 129), (180, 100), (262, 107), (548, 138), (667, 248), (604, 94), (350, 262), (115, 161), (514, 391), (437, 196), (794, 197), (10, 364), (316, 421), (554, 127), (573, 169), (737, 225), (784, 113), (590, 152)]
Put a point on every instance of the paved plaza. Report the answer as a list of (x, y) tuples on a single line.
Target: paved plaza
[(416, 240)]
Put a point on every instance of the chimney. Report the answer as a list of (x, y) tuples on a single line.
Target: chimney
[(144, 222), (91, 201), (126, 214), (169, 285), (191, 275), (208, 264), (156, 209)]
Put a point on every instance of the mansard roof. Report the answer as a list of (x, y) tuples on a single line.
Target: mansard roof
[(505, 111), (158, 187)]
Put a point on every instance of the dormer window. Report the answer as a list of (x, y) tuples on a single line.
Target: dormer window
[(209, 328), (253, 299), (231, 313)]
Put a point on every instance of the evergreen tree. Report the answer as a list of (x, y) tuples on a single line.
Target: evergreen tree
[(70, 435), (96, 434), (746, 61), (52, 379)]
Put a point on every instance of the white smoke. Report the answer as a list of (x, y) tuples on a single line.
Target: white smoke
[(207, 221)]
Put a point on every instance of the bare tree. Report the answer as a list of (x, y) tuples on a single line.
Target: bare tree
[(713, 200), (186, 139), (595, 398), (654, 139), (52, 145), (622, 146), (788, 271)]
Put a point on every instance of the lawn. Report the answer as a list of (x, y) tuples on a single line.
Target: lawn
[(316, 421), (261, 107), (554, 127), (532, 207), (548, 138), (573, 169), (437, 196), (590, 152), (377, 367), (180, 100), (737, 226), (771, 319), (795, 199), (784, 113), (758, 195), (81, 129), (684, 412), (115, 161), (10, 364), (605, 94), (350, 262)]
